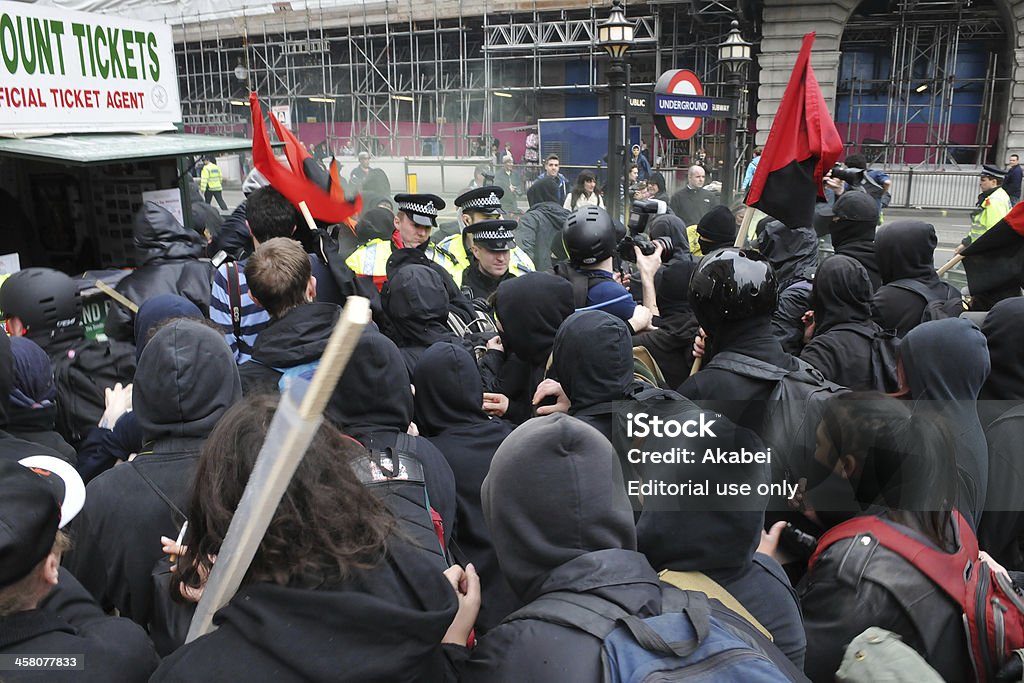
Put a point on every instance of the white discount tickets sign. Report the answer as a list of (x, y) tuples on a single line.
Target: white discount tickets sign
[(69, 72)]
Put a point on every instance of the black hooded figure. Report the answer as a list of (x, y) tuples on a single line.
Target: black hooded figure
[(671, 226), (593, 360), (851, 222), (848, 347), (449, 413), (373, 404), (416, 304), (906, 251), (186, 380), (946, 363), (558, 524), (1001, 409), (793, 253), (671, 342), (167, 255), (529, 309), (12, 447)]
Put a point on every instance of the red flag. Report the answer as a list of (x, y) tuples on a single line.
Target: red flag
[(996, 259), (293, 184), (802, 146)]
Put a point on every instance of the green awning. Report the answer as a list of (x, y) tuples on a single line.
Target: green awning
[(102, 149)]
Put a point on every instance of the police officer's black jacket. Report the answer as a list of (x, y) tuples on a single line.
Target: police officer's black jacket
[(168, 256)]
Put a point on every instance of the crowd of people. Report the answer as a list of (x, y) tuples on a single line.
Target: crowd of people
[(461, 513)]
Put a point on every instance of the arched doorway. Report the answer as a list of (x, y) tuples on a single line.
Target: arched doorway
[(924, 82)]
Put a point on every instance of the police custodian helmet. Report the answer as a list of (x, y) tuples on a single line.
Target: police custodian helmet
[(732, 284)]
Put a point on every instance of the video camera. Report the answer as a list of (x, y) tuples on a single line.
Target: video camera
[(639, 215), (857, 178)]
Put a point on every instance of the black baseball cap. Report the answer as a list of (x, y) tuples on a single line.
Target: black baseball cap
[(38, 495), (853, 205)]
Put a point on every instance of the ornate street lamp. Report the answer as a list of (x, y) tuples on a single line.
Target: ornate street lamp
[(733, 58), (615, 35)]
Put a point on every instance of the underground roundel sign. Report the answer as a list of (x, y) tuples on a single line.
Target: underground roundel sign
[(679, 104)]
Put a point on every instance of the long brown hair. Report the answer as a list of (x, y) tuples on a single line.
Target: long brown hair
[(326, 525)]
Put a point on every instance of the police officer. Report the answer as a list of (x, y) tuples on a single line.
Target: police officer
[(479, 204), (415, 219), (993, 204), (211, 184), (493, 244)]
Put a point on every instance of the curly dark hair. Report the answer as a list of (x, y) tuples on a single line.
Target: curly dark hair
[(326, 525)]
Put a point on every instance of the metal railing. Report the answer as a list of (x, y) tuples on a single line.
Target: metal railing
[(937, 189)]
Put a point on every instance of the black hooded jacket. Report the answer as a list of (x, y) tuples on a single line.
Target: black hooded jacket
[(558, 524), (539, 233), (68, 622), (168, 256), (593, 361), (373, 404), (11, 446), (529, 308), (741, 399), (416, 303), (185, 381), (671, 226), (296, 338), (848, 347), (946, 363), (449, 413), (722, 543), (671, 343), (381, 625), (906, 251), (856, 239), (793, 253)]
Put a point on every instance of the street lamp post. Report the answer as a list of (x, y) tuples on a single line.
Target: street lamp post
[(733, 57), (616, 36)]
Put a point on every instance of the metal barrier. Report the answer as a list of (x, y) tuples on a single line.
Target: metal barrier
[(934, 189)]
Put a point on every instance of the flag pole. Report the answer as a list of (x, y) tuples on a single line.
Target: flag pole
[(741, 236), (949, 264), (292, 429)]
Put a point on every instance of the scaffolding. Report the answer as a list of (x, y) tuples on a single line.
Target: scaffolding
[(906, 70), (400, 78)]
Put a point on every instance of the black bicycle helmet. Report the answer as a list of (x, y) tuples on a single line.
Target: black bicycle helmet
[(44, 299), (732, 284), (589, 236)]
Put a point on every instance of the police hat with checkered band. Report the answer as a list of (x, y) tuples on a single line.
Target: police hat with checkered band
[(486, 200), (421, 208), (493, 235)]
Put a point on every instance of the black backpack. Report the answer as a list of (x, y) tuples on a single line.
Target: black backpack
[(81, 374), (884, 355), (936, 307)]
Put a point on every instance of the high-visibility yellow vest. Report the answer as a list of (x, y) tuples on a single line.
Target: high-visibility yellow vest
[(451, 253), (210, 179), (993, 208), (371, 260)]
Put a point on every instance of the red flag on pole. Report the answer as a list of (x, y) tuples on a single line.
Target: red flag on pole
[(294, 184), (802, 146)]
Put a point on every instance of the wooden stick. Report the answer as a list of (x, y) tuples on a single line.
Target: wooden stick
[(741, 236), (295, 423), (949, 264), (695, 368), (117, 296), (308, 216)]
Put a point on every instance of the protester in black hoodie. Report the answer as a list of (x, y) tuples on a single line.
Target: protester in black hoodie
[(13, 447), (946, 364), (793, 253), (167, 256), (449, 395), (851, 222), (373, 403), (671, 340), (33, 408), (333, 593), (671, 226), (848, 347), (280, 279), (416, 303), (185, 382), (558, 524), (593, 360), (540, 228), (1001, 410), (529, 309), (906, 251)]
